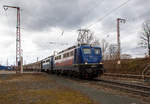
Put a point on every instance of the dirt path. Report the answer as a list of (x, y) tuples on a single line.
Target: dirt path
[(96, 93)]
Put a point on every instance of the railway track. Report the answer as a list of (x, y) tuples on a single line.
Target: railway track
[(127, 76), (137, 89), (134, 88), (128, 87)]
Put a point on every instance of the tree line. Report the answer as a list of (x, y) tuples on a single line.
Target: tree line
[(109, 51)]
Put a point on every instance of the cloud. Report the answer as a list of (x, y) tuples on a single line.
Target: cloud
[(65, 14), (44, 21)]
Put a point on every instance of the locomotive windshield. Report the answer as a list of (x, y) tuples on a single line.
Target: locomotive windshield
[(97, 51), (86, 50)]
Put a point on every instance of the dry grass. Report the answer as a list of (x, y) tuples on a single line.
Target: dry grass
[(130, 66), (43, 97), (37, 89)]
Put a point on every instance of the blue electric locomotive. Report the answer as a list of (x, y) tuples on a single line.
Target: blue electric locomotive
[(82, 61), (88, 60)]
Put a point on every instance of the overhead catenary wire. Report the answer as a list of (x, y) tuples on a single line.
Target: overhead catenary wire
[(107, 14), (91, 9), (89, 12), (135, 19), (110, 12)]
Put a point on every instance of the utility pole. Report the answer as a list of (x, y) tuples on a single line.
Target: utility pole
[(18, 39), (119, 20)]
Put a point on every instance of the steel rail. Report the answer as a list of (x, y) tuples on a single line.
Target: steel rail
[(138, 89), (127, 76)]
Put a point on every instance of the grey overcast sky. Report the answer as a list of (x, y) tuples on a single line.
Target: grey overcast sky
[(42, 21)]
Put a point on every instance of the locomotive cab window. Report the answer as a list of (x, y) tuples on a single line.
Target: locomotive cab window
[(86, 50), (97, 51)]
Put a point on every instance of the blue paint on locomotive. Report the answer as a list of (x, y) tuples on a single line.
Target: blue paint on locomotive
[(87, 55), (87, 62), (51, 62), (48, 64)]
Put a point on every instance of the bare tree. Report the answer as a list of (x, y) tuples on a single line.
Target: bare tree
[(145, 36), (104, 45), (126, 56), (113, 52), (95, 41), (85, 36)]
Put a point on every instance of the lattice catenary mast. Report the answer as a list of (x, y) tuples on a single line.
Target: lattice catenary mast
[(18, 38), (118, 36)]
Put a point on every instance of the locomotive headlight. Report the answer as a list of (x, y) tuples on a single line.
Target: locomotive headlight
[(101, 63), (85, 62)]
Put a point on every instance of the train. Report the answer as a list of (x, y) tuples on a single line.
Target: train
[(36, 66), (83, 61)]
